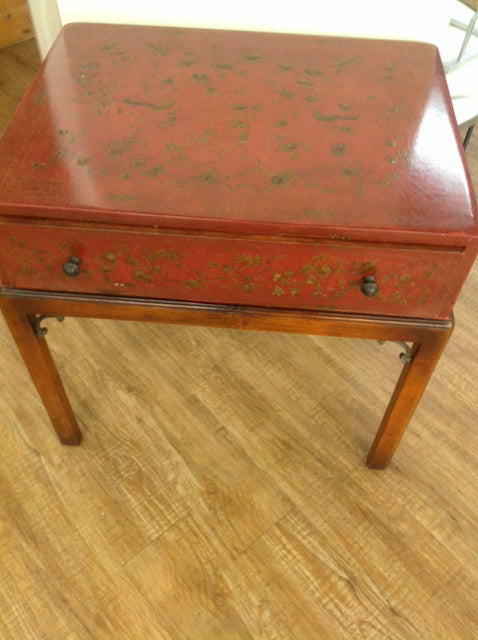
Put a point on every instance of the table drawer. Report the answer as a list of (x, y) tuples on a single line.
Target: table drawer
[(412, 281)]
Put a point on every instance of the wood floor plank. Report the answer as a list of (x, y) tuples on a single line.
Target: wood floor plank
[(57, 570), (182, 575), (187, 458), (314, 593), (18, 63), (15, 23)]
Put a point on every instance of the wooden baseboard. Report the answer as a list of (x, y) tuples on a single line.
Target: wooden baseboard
[(15, 23)]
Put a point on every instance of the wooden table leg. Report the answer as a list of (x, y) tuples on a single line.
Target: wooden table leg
[(408, 391), (36, 355)]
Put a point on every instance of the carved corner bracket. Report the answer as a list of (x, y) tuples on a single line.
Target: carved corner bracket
[(38, 329), (406, 355)]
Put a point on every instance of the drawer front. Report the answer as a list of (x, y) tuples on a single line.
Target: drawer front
[(413, 282)]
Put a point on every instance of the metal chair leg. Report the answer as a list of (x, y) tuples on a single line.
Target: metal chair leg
[(468, 136)]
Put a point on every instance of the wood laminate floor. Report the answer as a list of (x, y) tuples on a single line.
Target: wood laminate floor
[(221, 491)]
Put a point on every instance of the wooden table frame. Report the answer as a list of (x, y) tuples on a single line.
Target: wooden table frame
[(23, 309)]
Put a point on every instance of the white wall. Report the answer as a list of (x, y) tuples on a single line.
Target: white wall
[(424, 20), (46, 22), (409, 19)]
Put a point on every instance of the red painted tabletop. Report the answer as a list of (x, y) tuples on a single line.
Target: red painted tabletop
[(238, 131)]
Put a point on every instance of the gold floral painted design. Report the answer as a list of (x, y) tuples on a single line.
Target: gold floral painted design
[(206, 269)]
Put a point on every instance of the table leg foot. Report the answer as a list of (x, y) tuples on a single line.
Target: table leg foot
[(36, 355), (408, 391)]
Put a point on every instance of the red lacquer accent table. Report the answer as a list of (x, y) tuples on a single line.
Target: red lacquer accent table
[(257, 181)]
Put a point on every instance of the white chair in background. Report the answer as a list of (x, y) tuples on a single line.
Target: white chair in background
[(460, 60)]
